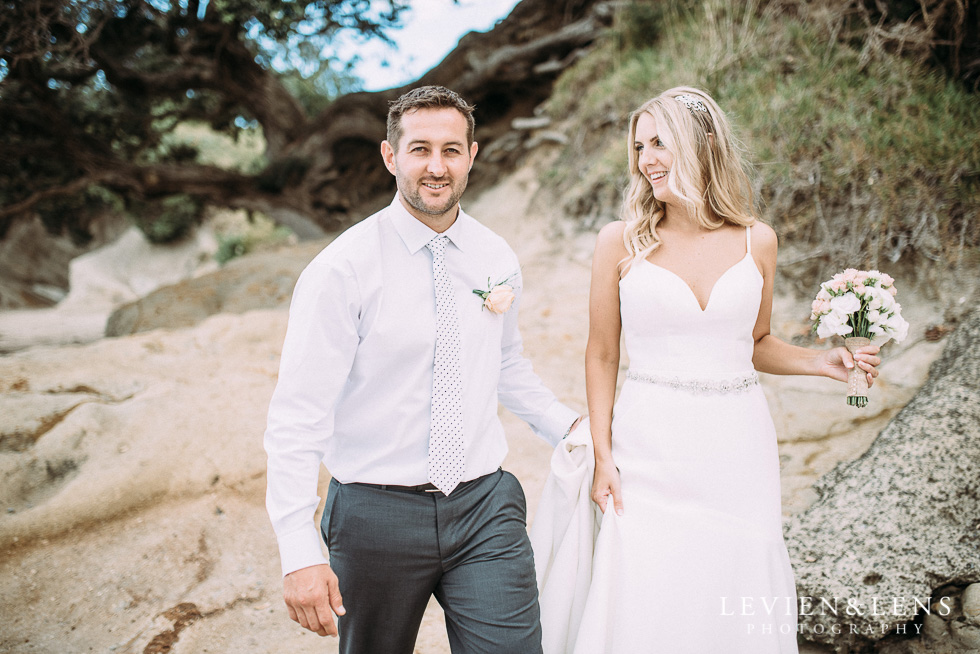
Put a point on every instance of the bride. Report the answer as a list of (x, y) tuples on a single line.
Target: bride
[(690, 556)]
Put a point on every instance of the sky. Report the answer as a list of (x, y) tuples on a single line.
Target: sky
[(431, 29)]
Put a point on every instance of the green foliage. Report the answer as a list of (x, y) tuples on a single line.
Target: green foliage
[(317, 90), (242, 150), (238, 236), (229, 247), (859, 161), (639, 25), (70, 214), (167, 219), (91, 90)]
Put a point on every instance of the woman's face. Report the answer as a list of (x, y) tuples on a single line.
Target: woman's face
[(652, 158)]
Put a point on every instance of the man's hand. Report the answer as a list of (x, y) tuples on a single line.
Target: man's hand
[(312, 596)]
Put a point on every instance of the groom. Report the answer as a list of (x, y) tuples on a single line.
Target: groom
[(391, 372)]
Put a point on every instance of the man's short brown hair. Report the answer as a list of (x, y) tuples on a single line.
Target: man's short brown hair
[(427, 97)]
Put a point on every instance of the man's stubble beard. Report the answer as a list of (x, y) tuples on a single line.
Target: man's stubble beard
[(414, 197)]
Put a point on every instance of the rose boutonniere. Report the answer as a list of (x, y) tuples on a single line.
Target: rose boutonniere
[(497, 297)]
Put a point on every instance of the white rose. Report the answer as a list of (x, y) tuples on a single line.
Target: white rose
[(899, 327), (876, 302), (834, 322), (847, 303), (824, 330)]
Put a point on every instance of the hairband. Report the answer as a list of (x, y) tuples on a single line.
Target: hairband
[(692, 103)]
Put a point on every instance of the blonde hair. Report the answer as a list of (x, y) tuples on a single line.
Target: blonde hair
[(707, 174)]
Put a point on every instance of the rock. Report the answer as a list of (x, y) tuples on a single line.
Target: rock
[(971, 604), (95, 431), (920, 476), (546, 136), (536, 122), (965, 635), (501, 148), (34, 264), (119, 272), (262, 280), (934, 628), (28, 416)]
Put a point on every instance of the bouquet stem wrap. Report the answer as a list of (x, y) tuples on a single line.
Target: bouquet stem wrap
[(857, 379)]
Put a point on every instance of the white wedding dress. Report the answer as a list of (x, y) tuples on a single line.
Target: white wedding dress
[(697, 563)]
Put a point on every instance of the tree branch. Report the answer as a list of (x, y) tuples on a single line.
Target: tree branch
[(29, 203)]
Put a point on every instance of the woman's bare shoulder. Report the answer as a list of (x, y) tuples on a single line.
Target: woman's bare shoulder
[(610, 238), (763, 235), (610, 248), (612, 231)]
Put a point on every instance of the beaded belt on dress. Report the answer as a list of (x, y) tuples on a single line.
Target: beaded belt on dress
[(737, 384)]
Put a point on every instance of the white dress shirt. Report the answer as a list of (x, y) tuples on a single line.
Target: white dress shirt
[(355, 379)]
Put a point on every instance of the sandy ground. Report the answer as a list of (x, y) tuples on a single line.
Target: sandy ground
[(132, 470)]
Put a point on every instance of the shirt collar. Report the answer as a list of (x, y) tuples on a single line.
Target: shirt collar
[(415, 234)]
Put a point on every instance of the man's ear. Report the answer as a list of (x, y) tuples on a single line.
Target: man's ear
[(473, 149), (388, 154)]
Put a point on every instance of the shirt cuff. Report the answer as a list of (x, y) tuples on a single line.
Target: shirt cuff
[(555, 422), (300, 549)]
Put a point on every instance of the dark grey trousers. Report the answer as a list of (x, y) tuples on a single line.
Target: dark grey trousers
[(392, 550)]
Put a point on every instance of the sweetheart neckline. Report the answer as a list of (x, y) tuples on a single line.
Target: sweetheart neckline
[(748, 255)]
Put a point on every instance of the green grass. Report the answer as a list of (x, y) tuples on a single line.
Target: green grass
[(858, 162), (245, 154), (239, 233)]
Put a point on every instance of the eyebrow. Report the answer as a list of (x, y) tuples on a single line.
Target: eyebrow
[(655, 137), (424, 142)]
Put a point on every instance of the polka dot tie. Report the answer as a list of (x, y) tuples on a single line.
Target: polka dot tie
[(446, 457)]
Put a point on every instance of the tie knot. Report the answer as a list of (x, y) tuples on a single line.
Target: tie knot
[(438, 244)]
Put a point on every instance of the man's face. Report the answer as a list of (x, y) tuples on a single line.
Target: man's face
[(431, 163)]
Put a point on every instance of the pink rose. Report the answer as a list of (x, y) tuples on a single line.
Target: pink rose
[(838, 285), (499, 298)]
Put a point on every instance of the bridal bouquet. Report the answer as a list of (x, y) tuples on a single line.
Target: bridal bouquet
[(860, 306)]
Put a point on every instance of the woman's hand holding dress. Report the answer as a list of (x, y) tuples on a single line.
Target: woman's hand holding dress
[(606, 483)]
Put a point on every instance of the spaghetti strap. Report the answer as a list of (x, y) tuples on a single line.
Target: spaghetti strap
[(748, 239)]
